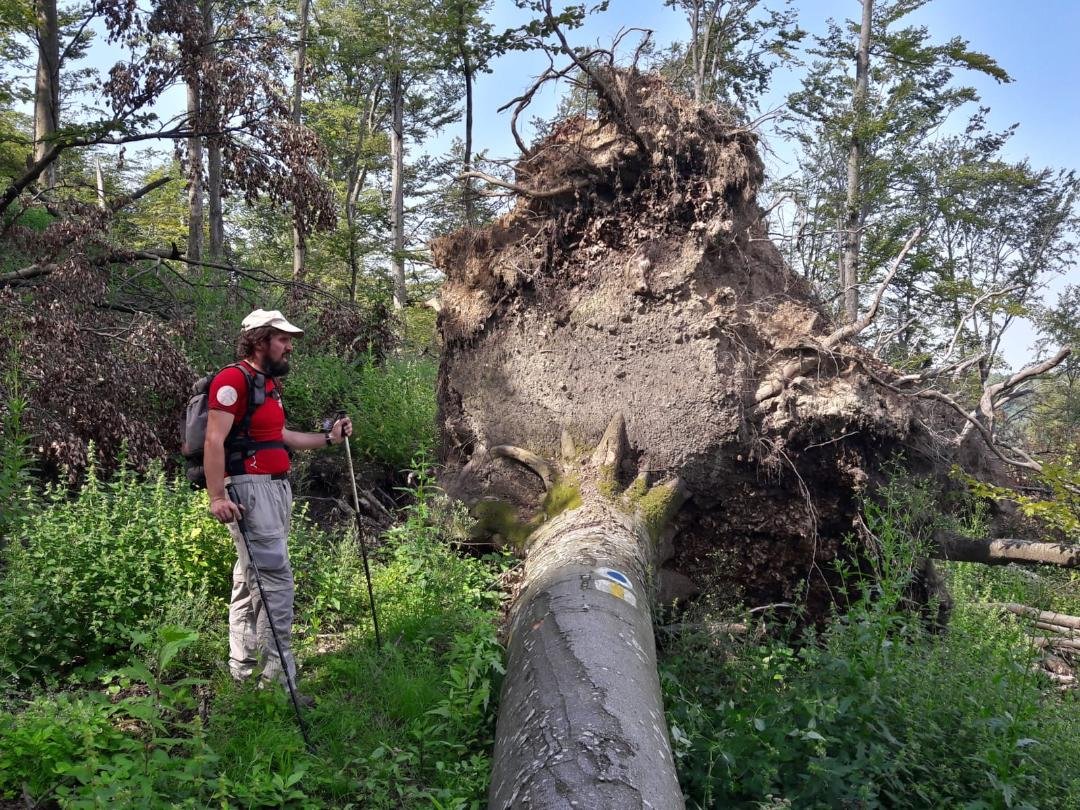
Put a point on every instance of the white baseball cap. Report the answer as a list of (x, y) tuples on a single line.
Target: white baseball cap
[(271, 317)]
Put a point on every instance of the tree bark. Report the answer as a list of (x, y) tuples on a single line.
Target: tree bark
[(467, 74), (849, 261), (47, 83), (101, 201), (299, 240), (1000, 551), (397, 188), (195, 173), (1048, 616), (581, 723), (214, 192)]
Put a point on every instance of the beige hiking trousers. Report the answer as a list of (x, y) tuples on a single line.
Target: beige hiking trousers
[(267, 506)]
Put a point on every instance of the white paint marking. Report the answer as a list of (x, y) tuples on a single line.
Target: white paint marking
[(616, 590)]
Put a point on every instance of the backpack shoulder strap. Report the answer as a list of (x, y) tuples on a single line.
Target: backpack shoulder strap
[(256, 396)]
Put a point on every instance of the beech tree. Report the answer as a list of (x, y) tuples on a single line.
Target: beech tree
[(733, 48), (858, 136)]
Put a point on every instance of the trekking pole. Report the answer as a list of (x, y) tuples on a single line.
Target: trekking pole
[(360, 535), (270, 618)]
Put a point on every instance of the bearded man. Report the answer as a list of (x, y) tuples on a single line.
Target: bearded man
[(248, 448)]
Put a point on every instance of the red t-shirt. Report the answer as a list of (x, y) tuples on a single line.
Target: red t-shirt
[(229, 393)]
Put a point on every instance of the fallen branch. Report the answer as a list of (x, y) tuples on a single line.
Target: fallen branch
[(1002, 551), (1072, 622)]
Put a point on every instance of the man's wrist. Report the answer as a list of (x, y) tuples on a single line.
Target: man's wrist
[(329, 438)]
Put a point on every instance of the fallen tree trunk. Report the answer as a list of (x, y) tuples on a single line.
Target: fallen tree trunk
[(1002, 551), (581, 722)]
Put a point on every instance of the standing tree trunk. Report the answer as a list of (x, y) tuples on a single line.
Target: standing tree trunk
[(397, 188), (849, 260), (214, 192), (299, 240), (467, 74), (195, 173), (47, 83), (100, 177), (357, 180)]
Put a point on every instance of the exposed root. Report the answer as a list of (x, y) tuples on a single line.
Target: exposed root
[(542, 468)]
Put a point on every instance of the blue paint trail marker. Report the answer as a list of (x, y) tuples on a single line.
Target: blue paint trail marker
[(615, 576)]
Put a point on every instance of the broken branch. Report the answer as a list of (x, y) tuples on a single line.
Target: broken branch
[(1003, 551)]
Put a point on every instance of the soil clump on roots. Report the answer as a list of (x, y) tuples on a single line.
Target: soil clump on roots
[(635, 275)]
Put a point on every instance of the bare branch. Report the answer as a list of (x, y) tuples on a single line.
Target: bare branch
[(522, 190), (849, 331), (128, 199), (1004, 551), (971, 311)]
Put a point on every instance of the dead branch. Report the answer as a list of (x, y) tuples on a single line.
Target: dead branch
[(1003, 551), (971, 312), (852, 329), (35, 170), (128, 199), (988, 401), (959, 367), (940, 396), (796, 368), (604, 89), (1061, 619)]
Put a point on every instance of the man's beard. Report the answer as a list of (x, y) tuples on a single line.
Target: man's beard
[(277, 368)]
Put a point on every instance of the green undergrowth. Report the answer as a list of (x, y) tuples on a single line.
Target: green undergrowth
[(877, 709), (392, 402), (136, 709)]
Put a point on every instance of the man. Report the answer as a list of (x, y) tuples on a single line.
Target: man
[(256, 465)]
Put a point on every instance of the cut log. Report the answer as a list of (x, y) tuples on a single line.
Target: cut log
[(1002, 551), (1066, 632), (1057, 643)]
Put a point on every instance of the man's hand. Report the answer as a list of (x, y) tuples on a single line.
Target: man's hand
[(341, 429), (225, 510)]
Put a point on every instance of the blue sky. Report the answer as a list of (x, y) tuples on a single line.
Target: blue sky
[(1036, 42)]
